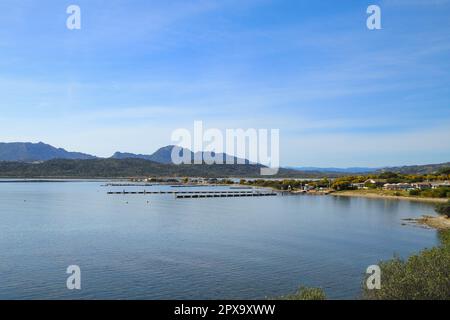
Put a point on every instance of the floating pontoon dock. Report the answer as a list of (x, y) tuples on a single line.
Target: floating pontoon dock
[(202, 194), (225, 195)]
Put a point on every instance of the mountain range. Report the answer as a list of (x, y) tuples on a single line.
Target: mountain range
[(36, 152), (417, 169), (164, 155), (41, 152)]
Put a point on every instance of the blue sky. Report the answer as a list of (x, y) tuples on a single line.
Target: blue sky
[(341, 95)]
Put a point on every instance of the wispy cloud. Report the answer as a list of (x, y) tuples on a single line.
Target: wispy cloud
[(136, 72)]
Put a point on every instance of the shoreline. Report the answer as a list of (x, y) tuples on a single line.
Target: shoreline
[(347, 193), (433, 222), (387, 197)]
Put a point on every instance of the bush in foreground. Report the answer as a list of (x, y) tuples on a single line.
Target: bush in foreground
[(424, 276), (306, 294)]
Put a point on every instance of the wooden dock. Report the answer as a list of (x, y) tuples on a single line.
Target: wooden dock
[(201, 194), (226, 195), (176, 192), (128, 185)]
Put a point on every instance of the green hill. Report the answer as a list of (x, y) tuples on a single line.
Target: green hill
[(418, 169), (119, 168)]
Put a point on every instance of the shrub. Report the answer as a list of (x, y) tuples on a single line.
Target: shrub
[(305, 293), (425, 276), (370, 185), (444, 238), (414, 192), (421, 277), (437, 193), (443, 209), (342, 185)]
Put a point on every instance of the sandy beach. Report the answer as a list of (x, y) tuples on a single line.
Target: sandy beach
[(390, 197)]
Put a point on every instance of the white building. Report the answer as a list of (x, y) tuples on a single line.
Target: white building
[(397, 186)]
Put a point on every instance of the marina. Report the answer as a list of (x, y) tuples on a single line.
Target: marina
[(225, 195), (201, 194)]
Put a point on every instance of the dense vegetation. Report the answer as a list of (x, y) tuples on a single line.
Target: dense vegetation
[(119, 168), (305, 293), (443, 192), (135, 167), (424, 276)]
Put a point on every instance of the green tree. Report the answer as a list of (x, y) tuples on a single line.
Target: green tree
[(341, 185)]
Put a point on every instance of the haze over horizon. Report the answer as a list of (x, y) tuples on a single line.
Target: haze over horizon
[(341, 95)]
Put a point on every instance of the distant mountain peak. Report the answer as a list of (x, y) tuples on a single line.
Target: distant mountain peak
[(27, 151), (127, 155), (164, 155)]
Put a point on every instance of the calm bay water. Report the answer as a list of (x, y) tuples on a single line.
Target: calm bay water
[(225, 248)]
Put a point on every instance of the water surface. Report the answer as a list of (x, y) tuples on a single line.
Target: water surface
[(159, 247)]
